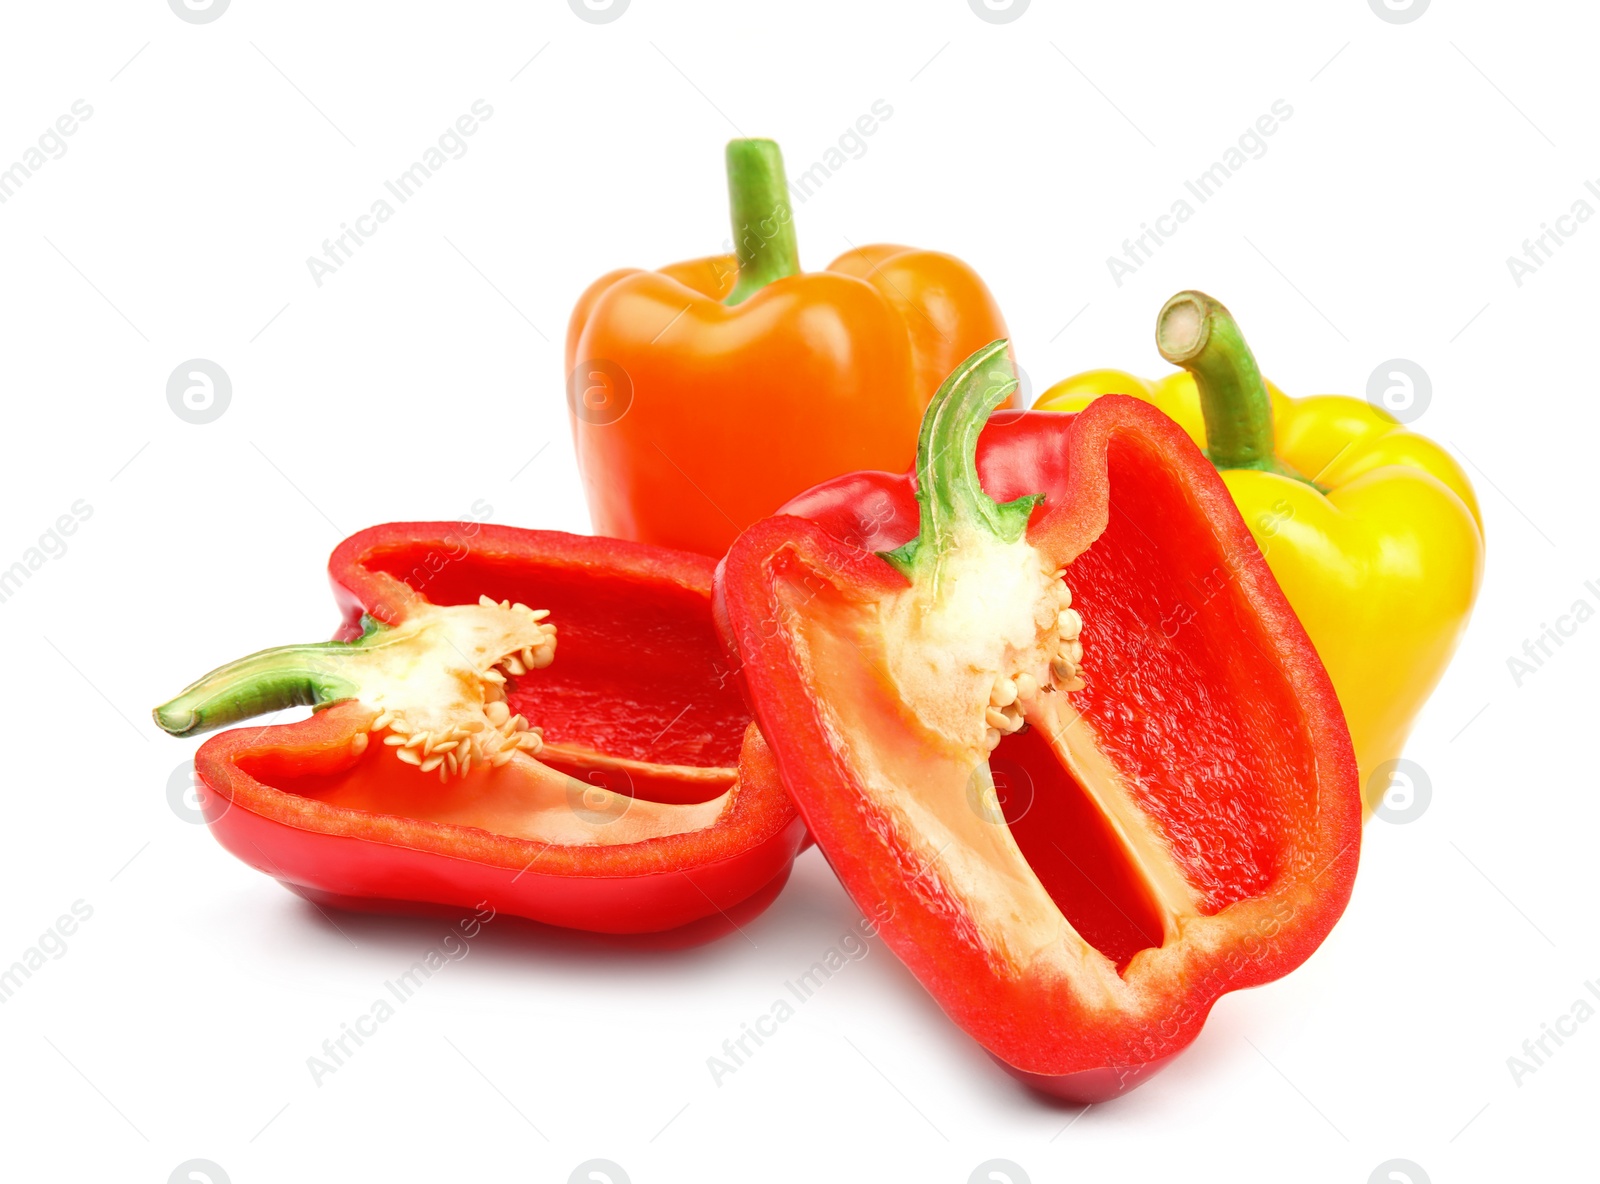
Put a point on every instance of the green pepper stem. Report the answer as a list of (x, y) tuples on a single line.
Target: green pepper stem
[(1195, 331), (950, 498), (288, 676), (763, 220)]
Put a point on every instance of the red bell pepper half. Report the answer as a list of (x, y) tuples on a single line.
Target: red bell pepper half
[(639, 797), (1075, 740)]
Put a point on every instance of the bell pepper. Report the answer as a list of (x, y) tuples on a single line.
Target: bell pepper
[(1372, 531), (639, 798), (706, 394), (1078, 824)]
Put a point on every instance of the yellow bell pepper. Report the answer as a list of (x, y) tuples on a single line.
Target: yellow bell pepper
[(1372, 531)]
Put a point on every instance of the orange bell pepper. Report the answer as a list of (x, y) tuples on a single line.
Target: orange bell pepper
[(705, 395)]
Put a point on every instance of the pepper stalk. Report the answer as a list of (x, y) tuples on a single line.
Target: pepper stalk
[(763, 220), (435, 682), (307, 675), (950, 498), (1197, 332)]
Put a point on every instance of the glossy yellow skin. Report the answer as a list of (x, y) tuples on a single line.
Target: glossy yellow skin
[(1382, 569)]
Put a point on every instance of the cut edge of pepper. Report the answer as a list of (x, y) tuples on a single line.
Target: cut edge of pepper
[(965, 536), (448, 714), (1148, 853)]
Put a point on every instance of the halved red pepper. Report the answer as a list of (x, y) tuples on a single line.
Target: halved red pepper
[(643, 799), (1081, 816)]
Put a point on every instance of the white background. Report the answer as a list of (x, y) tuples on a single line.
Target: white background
[(427, 374)]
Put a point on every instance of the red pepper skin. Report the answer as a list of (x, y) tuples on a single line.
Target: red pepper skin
[(399, 865), (1095, 469), (621, 606)]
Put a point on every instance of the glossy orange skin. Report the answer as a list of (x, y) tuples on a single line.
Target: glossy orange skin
[(729, 412)]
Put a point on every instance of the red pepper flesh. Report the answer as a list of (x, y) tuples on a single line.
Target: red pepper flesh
[(1179, 817), (648, 757)]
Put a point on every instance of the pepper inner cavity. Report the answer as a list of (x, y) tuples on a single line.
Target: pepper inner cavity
[(438, 684)]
